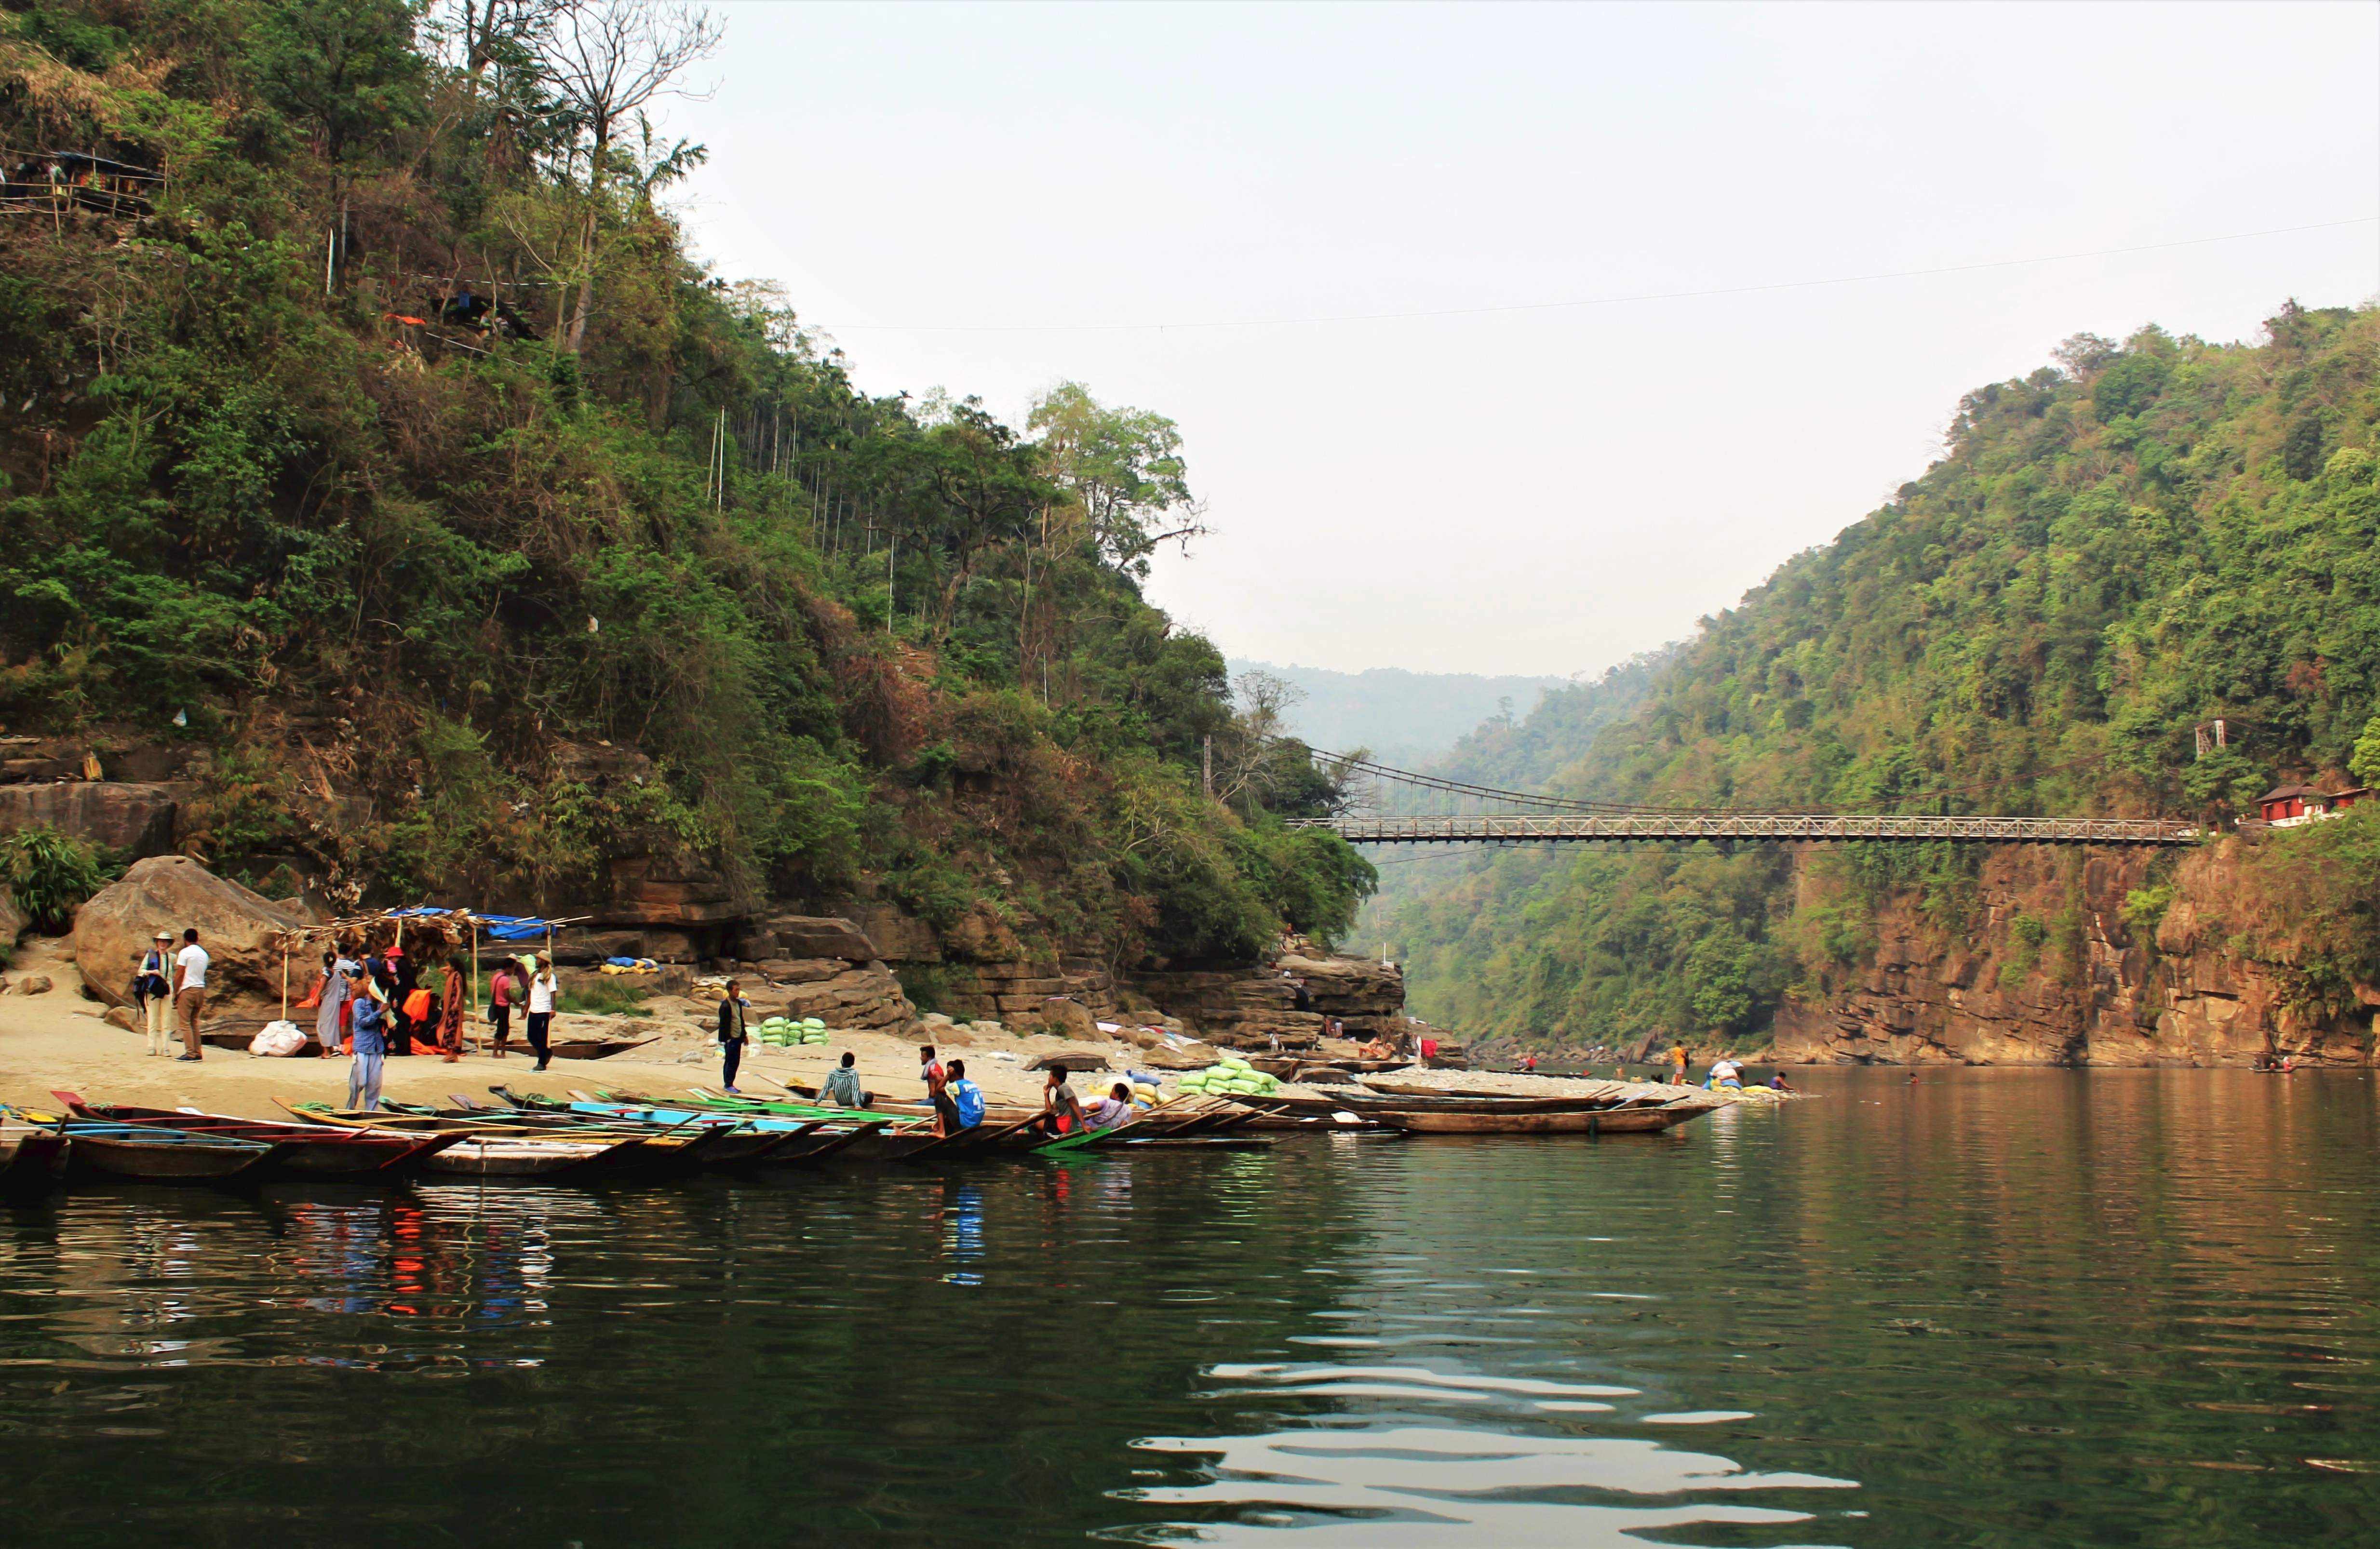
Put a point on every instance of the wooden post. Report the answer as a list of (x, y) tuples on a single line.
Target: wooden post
[(475, 973), (284, 979)]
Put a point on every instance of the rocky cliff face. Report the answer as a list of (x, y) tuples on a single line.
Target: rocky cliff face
[(2056, 975)]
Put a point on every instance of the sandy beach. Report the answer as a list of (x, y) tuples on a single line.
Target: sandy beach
[(58, 1040)]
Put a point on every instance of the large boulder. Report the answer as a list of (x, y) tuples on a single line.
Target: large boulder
[(241, 930), (129, 818), (820, 936)]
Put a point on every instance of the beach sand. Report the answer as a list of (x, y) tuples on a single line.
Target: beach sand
[(58, 1041)]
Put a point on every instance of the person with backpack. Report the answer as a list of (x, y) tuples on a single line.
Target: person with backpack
[(152, 991)]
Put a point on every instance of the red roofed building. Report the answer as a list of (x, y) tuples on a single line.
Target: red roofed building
[(2286, 806)]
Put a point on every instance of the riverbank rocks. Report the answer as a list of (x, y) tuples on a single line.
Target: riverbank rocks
[(1253, 1008), (2098, 994), (130, 819), (1018, 992), (863, 996), (818, 936), (241, 930)]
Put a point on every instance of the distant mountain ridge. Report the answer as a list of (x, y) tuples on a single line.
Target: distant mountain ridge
[(1403, 717)]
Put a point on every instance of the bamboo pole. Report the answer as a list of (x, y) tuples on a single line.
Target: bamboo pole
[(285, 981)]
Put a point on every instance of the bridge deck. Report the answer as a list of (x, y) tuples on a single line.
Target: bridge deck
[(1757, 829)]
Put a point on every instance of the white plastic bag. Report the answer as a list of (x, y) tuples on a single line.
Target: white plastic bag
[(279, 1040)]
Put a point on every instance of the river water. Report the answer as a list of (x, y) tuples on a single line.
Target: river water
[(2005, 1308)]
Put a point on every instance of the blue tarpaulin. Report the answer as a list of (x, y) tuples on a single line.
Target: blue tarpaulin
[(502, 927)]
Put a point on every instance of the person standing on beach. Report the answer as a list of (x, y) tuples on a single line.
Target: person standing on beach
[(505, 990), (1676, 1064), (153, 990), (542, 988), (369, 1022), (191, 990), (450, 1012), (733, 1031), (331, 1011), (403, 980)]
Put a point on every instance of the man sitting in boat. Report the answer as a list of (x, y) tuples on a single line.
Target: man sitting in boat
[(966, 1096), (1062, 1111), (1111, 1109), (842, 1086)]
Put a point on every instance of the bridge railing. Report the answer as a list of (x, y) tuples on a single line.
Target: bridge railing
[(1758, 829)]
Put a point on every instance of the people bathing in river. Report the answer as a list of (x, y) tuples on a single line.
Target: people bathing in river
[(842, 1086), (1725, 1072), (367, 1024), (1111, 1109), (965, 1099), (1777, 1081), (732, 1032)]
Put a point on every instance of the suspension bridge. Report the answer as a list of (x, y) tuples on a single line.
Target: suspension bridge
[(1402, 807)]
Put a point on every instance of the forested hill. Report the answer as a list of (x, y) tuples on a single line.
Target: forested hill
[(2113, 551), (373, 450)]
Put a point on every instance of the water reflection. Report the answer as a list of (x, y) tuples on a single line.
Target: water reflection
[(1992, 1307)]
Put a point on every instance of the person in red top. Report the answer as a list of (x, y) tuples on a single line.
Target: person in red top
[(930, 1070)]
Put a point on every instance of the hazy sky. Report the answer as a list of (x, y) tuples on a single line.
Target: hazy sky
[(1530, 491)]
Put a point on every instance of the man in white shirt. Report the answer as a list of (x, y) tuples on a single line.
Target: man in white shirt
[(189, 990)]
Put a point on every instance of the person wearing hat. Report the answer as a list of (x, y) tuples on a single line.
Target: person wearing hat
[(330, 1012), (153, 993)]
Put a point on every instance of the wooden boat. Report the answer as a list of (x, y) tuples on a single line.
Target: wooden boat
[(594, 1048), (1197, 1142), (634, 1149), (1436, 1121), (32, 1161), (748, 1141), (315, 1150), (152, 1155), (1325, 1122), (548, 1159), (1599, 1094)]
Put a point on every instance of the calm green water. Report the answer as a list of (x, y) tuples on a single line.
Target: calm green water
[(1994, 1308)]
